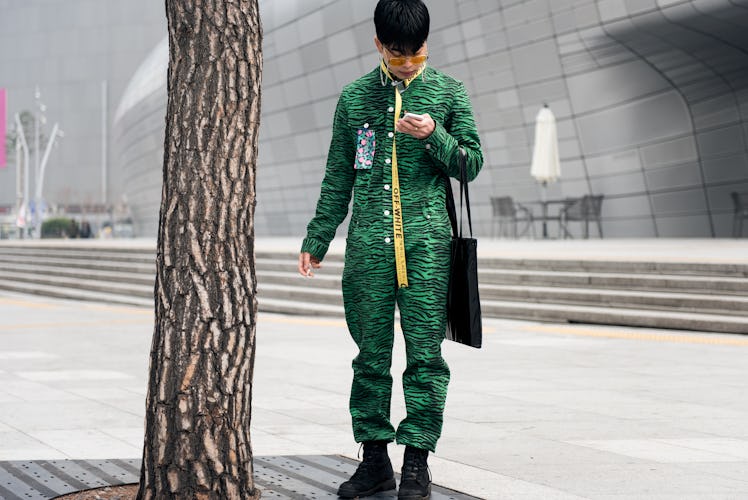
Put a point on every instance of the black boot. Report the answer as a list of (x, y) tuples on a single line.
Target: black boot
[(415, 483), (373, 474)]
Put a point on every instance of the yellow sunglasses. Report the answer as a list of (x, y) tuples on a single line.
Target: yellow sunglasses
[(401, 60)]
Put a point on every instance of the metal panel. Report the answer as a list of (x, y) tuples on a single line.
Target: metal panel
[(279, 477)]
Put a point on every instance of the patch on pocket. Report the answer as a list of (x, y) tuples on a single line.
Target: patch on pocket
[(366, 145)]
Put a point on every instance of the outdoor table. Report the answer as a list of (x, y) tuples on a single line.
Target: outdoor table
[(544, 205)]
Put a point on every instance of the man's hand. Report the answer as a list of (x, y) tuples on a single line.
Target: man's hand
[(308, 261), (420, 129)]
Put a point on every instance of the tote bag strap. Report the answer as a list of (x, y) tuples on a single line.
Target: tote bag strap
[(451, 209), (464, 188)]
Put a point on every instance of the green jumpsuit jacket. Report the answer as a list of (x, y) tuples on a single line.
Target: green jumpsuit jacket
[(359, 164)]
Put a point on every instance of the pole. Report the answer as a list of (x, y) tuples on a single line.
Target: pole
[(47, 150), (104, 139), (25, 146), (19, 183), (37, 158), (40, 179), (544, 201)]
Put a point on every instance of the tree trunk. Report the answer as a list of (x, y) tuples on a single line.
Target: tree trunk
[(197, 439)]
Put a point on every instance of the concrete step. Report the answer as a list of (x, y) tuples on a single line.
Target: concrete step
[(666, 301), (287, 266), (702, 285), (704, 297), (615, 316), (281, 284), (116, 255), (90, 285), (92, 250), (532, 272), (267, 304), (641, 299), (65, 292), (287, 256), (631, 267), (320, 280), (726, 269), (134, 278), (618, 281), (613, 300), (555, 313), (115, 272), (322, 296), (138, 265), (611, 278), (264, 304), (92, 264), (490, 290), (491, 308)]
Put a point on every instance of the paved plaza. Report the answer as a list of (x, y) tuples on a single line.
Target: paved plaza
[(543, 411)]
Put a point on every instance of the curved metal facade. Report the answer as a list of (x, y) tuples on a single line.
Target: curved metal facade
[(651, 99)]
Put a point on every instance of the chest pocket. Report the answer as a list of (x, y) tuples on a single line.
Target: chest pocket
[(366, 147)]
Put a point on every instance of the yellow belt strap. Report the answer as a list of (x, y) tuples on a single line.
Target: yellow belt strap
[(397, 209)]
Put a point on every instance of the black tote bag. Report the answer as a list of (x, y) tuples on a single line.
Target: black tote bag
[(463, 302)]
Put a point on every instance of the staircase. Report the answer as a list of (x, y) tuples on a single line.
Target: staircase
[(80, 271), (709, 297)]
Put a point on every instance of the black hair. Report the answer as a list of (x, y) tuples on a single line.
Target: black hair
[(402, 25)]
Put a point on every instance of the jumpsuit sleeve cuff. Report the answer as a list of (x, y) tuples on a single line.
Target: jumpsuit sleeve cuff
[(314, 247), (438, 144)]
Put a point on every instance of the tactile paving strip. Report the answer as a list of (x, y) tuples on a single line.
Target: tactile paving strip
[(279, 477)]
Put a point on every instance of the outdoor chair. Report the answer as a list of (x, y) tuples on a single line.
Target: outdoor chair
[(509, 214), (740, 202), (584, 209)]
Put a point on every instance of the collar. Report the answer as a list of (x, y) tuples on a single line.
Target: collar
[(401, 85)]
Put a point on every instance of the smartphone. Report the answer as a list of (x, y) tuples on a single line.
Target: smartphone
[(413, 115)]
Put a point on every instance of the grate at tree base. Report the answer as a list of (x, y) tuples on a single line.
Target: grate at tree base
[(279, 477)]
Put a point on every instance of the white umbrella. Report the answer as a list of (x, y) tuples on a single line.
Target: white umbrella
[(546, 166)]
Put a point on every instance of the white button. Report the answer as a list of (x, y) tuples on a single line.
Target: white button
[(366, 125), (387, 239), (428, 216), (428, 146), (387, 161), (390, 109), (386, 212), (386, 187), (390, 134)]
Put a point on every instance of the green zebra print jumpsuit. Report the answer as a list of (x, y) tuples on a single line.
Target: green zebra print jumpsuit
[(359, 162)]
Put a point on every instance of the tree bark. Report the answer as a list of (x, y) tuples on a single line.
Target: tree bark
[(197, 438)]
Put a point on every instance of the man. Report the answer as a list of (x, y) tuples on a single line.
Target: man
[(398, 245)]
